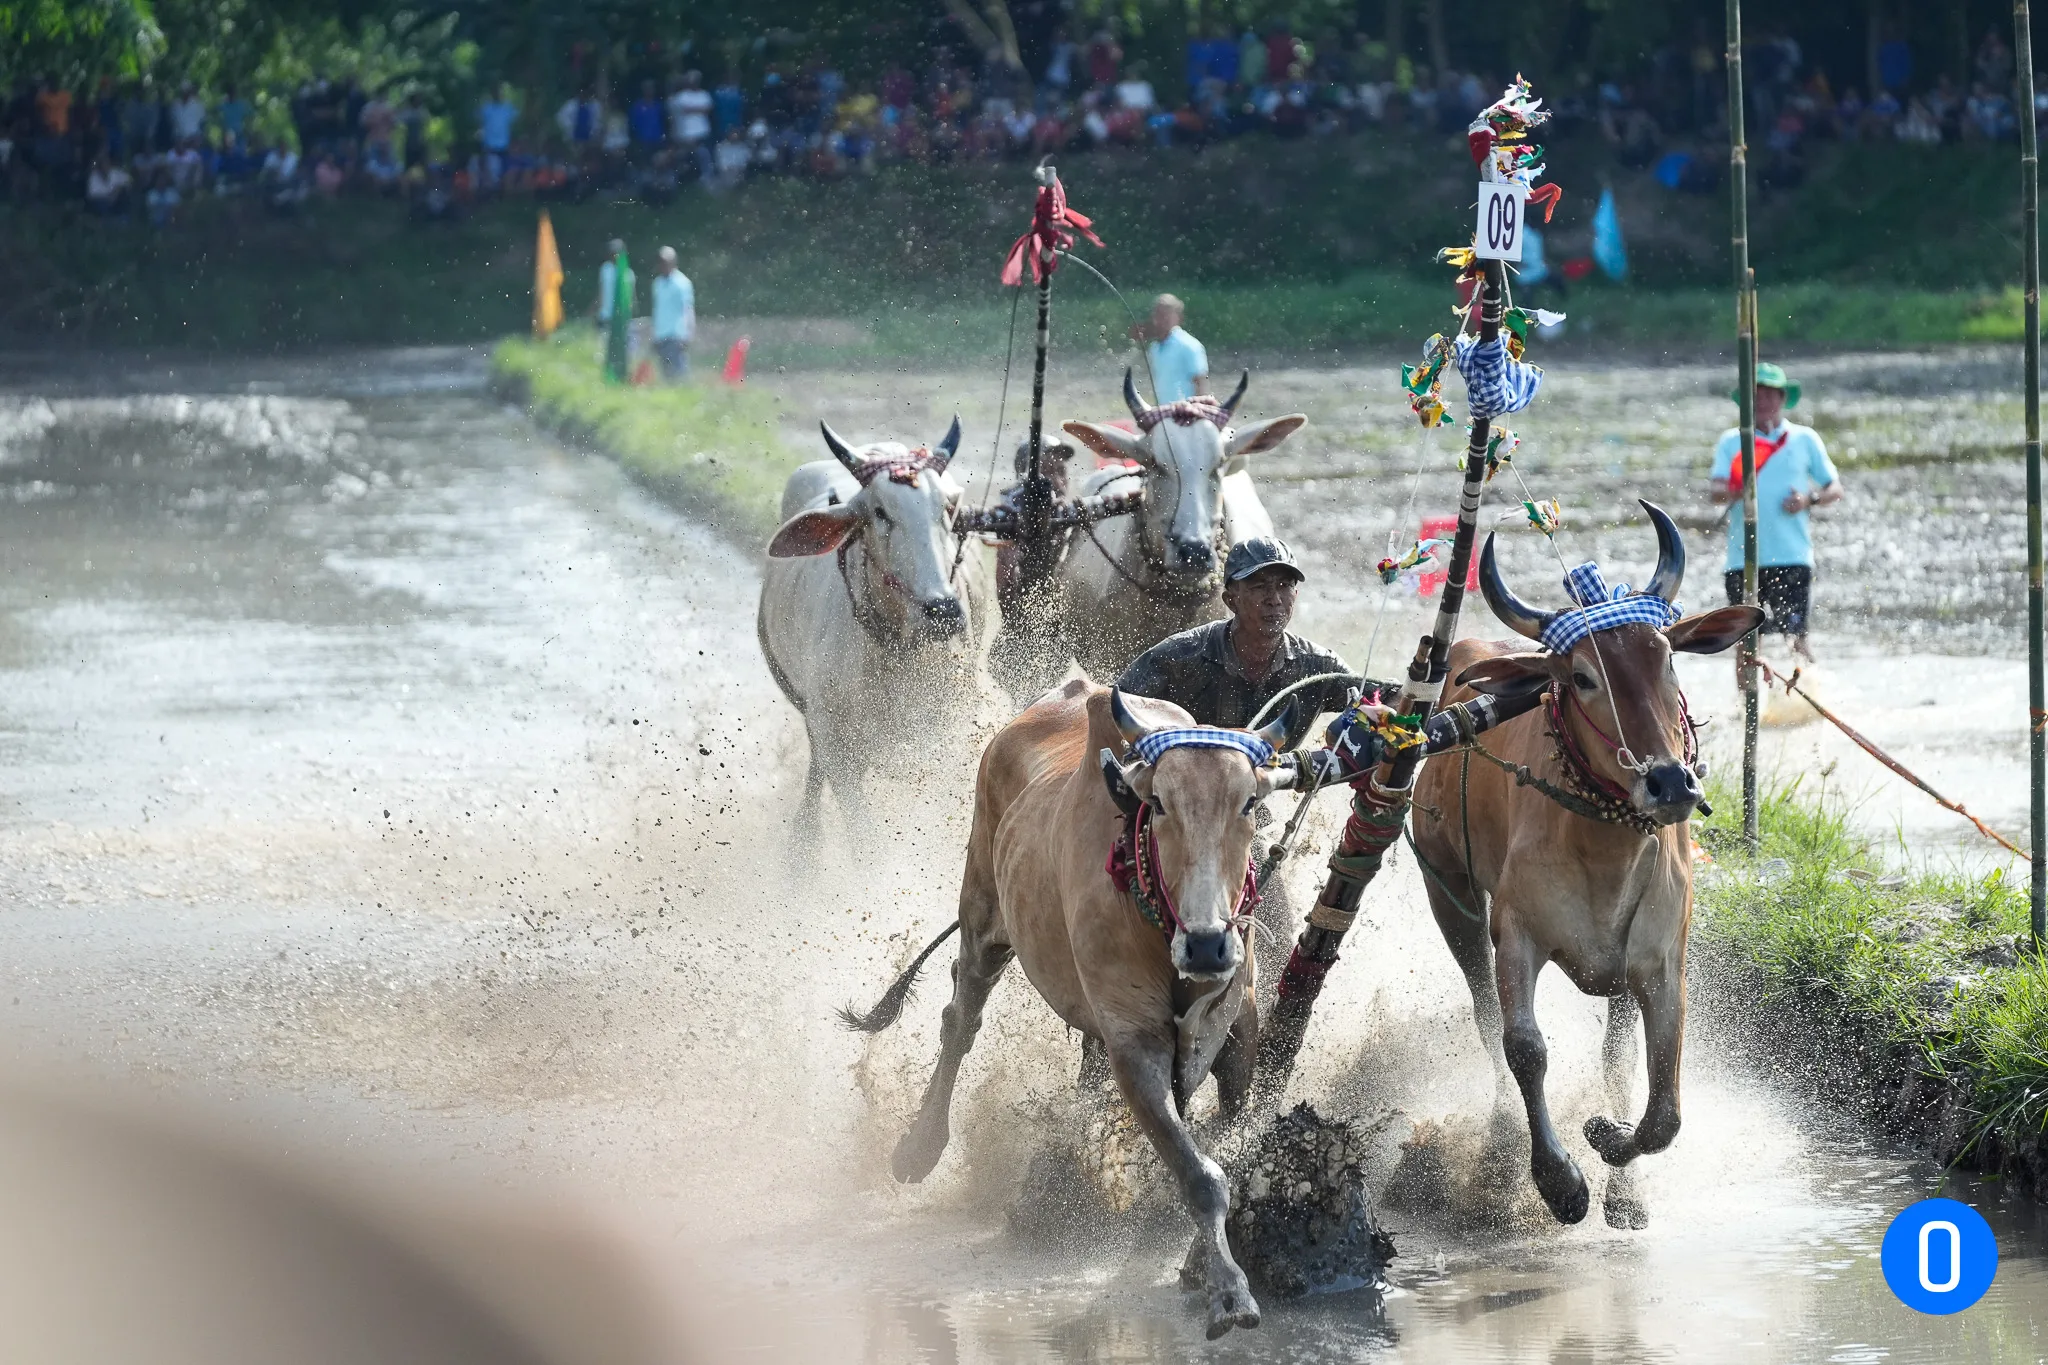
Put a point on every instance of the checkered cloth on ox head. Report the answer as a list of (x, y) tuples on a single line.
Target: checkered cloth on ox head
[(1150, 747), (1601, 608)]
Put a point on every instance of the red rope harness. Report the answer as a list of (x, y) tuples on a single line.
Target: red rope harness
[(1133, 868)]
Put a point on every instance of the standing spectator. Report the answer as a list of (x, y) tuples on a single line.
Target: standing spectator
[(412, 120), (375, 122), (1059, 67), (1282, 52), (496, 117), (608, 280), (188, 115), (674, 301), (349, 124), (729, 104), (689, 121), (107, 114), (1178, 362), (646, 121), (1994, 60), (1793, 476), (138, 120), (53, 126), (233, 116), (1105, 57), (581, 120)]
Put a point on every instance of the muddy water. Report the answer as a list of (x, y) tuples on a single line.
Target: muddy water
[(401, 780)]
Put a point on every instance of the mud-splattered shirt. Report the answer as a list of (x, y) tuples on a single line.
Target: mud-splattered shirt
[(1199, 671)]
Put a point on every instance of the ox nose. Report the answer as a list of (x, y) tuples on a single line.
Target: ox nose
[(944, 616), (1196, 556), (1208, 954), (1672, 790)]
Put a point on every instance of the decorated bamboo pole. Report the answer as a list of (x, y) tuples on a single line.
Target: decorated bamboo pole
[(1496, 383), (1745, 398), (2037, 683), (1053, 225)]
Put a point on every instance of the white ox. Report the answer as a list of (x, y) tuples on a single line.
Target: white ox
[(1158, 571), (870, 609)]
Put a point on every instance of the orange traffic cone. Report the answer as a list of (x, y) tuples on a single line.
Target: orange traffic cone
[(736, 362)]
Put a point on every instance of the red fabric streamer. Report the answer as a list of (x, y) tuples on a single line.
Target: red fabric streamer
[(1052, 229), (1546, 195)]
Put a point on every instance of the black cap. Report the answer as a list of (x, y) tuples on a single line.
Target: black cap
[(1247, 557)]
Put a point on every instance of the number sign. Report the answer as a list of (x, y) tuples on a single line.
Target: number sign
[(1498, 235)]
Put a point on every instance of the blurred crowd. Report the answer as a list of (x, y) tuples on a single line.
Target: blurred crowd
[(143, 149)]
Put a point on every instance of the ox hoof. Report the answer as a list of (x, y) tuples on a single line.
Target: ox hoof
[(916, 1154), (1564, 1190), (1625, 1212), (1615, 1142), (1230, 1308)]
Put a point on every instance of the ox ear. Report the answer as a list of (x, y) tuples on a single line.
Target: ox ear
[(1120, 791), (1710, 632), (1277, 779), (812, 533), (1110, 443), (1261, 436), (1509, 675)]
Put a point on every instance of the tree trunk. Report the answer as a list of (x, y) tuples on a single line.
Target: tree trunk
[(1397, 36), (1439, 49)]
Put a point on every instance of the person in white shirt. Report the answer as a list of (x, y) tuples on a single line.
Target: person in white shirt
[(188, 114), (674, 301), (689, 120), (106, 189)]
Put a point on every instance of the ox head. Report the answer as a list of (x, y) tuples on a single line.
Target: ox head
[(1615, 684), (903, 515), (1185, 449), (1203, 801)]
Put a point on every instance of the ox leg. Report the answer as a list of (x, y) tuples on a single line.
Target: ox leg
[(1517, 964), (1621, 1203), (1144, 1073), (1471, 948), (1236, 1062), (1662, 998), (975, 973), (807, 827)]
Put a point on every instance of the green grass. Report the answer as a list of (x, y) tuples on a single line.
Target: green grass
[(1887, 963), (1301, 248), (714, 448)]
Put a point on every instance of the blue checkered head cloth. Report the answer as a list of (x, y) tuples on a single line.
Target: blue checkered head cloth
[(1150, 747), (1495, 384), (1601, 608)]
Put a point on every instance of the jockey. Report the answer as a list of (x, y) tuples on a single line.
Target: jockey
[(1223, 673)]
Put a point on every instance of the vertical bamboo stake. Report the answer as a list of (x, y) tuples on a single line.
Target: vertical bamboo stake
[(1745, 397), (2037, 673), (1035, 505)]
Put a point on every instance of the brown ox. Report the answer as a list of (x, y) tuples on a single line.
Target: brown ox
[(1167, 1010), (1517, 880)]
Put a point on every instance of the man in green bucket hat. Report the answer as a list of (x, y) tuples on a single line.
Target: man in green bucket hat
[(1793, 476)]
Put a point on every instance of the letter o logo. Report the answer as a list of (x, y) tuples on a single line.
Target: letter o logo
[(1939, 1256)]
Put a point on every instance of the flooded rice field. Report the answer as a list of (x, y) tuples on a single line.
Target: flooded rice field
[(403, 781)]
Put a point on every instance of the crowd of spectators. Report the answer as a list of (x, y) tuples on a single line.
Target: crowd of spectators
[(144, 149)]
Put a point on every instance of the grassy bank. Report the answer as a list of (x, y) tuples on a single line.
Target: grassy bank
[(710, 448), (1282, 248), (1914, 995)]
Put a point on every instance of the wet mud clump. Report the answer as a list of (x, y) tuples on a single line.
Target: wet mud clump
[(1299, 1222)]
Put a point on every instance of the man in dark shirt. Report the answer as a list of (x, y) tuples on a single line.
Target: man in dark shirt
[(1222, 673)]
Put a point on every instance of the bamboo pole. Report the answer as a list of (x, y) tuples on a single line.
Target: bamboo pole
[(2037, 672), (1034, 506), (1745, 397)]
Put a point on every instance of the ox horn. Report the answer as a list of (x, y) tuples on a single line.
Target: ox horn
[(1244, 381), (1131, 399), (1670, 554), (841, 450), (1513, 612), (1274, 731), (1127, 725), (942, 453)]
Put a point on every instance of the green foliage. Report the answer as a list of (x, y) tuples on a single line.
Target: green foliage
[(1898, 964), (77, 41), (715, 447)]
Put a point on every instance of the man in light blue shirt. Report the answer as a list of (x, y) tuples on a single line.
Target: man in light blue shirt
[(1793, 476), (1179, 365), (675, 317)]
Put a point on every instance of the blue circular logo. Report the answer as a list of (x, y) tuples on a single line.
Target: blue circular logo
[(1939, 1256)]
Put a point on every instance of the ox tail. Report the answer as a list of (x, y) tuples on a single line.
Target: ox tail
[(890, 1006)]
